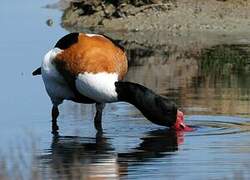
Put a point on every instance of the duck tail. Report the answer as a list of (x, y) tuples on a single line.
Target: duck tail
[(37, 72)]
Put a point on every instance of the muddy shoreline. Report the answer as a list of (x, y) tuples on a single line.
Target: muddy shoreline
[(176, 16)]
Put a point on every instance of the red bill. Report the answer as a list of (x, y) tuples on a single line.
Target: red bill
[(180, 124)]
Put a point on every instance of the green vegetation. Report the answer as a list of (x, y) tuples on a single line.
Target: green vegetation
[(223, 60)]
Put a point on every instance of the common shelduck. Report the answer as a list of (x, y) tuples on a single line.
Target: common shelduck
[(89, 68)]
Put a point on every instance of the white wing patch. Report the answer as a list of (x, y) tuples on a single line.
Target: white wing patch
[(99, 87)]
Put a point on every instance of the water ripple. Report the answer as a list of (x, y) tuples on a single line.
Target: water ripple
[(218, 125)]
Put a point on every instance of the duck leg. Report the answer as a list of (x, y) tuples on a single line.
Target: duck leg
[(98, 116), (54, 114)]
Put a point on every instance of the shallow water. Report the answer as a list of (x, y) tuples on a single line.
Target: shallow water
[(214, 96)]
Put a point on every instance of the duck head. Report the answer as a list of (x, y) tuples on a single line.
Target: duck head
[(157, 109)]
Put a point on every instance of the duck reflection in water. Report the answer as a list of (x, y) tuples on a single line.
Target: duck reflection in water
[(72, 157)]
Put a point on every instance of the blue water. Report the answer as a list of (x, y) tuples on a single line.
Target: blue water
[(131, 147)]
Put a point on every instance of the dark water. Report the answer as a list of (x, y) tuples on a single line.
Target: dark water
[(208, 77)]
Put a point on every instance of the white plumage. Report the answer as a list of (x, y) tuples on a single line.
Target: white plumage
[(99, 87), (56, 87)]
